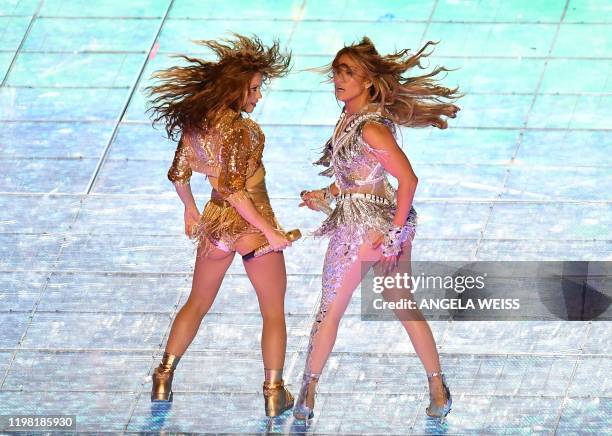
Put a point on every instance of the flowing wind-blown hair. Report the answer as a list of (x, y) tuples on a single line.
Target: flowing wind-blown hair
[(416, 101), (191, 97)]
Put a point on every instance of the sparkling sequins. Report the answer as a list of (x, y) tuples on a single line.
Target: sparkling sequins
[(350, 161), (231, 151), (180, 170)]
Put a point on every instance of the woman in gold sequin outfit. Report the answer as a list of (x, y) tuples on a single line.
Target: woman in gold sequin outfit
[(372, 221), (202, 105)]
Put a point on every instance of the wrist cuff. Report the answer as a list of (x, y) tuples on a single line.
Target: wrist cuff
[(393, 239)]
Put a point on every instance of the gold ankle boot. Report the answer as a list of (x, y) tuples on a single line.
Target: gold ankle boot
[(162, 378), (277, 397)]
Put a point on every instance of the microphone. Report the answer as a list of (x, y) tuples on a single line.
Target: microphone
[(291, 235)]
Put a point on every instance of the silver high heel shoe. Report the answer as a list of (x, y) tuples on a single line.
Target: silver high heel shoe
[(301, 410), (434, 410)]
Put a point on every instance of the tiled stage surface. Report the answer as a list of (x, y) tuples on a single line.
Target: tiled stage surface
[(93, 263)]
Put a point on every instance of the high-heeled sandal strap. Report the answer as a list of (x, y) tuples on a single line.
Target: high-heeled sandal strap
[(311, 377)]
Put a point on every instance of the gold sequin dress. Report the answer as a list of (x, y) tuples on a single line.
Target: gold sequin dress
[(229, 153)]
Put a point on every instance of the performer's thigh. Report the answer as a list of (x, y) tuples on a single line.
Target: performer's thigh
[(249, 242)]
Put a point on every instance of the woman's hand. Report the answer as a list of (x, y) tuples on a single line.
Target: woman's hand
[(375, 238), (310, 198), (192, 218), (388, 263), (277, 240)]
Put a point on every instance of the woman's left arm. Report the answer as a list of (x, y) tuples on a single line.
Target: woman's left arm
[(384, 147)]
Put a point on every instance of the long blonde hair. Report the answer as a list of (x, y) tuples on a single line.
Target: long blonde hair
[(416, 101), (191, 97)]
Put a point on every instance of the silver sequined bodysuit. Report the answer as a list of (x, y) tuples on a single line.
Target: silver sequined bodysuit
[(366, 201), (353, 164)]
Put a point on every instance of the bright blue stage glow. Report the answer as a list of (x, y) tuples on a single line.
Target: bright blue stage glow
[(94, 263)]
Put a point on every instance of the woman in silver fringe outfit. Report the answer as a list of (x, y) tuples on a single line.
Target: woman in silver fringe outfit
[(371, 221)]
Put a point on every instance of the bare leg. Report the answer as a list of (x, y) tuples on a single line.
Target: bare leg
[(207, 277), (417, 328), (413, 321), (269, 278)]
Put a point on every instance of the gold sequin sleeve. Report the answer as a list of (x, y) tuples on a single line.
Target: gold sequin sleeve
[(234, 153), (180, 171)]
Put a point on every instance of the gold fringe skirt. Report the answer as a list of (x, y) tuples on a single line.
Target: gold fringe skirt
[(220, 223)]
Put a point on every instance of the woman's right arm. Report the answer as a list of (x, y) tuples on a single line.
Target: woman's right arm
[(191, 214), (180, 174)]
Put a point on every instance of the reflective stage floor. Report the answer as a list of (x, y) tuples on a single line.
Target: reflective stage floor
[(94, 264)]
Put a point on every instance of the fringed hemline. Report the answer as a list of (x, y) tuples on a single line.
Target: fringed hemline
[(222, 226), (357, 216), (218, 220)]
